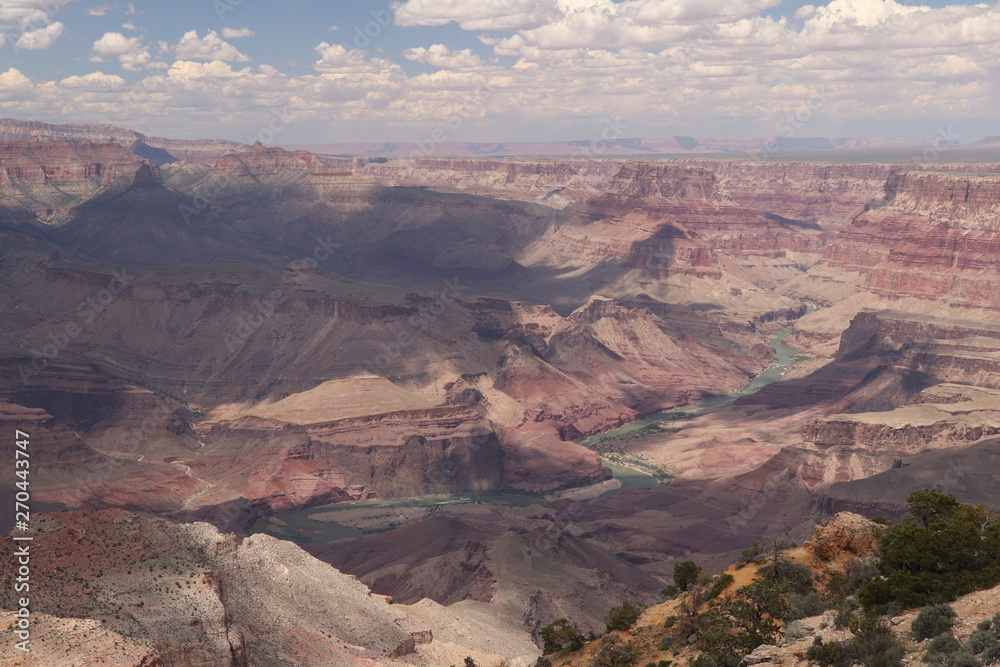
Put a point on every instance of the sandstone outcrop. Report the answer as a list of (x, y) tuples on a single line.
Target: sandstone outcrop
[(845, 536)]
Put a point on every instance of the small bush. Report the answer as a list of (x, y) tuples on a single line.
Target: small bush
[(752, 555), (666, 641), (623, 616), (981, 639), (873, 645), (991, 654), (686, 574), (805, 605), (964, 659), (843, 619), (721, 583), (984, 624), (671, 591), (828, 653), (933, 621), (946, 644), (792, 576), (543, 662), (560, 635), (615, 653)]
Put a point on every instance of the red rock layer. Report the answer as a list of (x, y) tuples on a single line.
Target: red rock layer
[(936, 236)]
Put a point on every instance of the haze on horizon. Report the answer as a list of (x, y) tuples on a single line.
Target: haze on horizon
[(505, 70)]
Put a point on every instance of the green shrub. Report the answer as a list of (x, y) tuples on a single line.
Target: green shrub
[(991, 654), (933, 621), (984, 624), (981, 639), (965, 660), (624, 615), (805, 605), (752, 555), (873, 645), (671, 591), (792, 576), (721, 583), (615, 653), (560, 635), (666, 641), (543, 662), (946, 644), (842, 619), (943, 549), (686, 574), (825, 653)]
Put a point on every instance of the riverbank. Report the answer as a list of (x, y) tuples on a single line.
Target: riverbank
[(614, 445), (632, 472)]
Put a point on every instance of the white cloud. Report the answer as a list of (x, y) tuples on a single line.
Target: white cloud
[(29, 23), (128, 25), (28, 12), (101, 10), (131, 52), (13, 83), (235, 33), (95, 81), (209, 47), (653, 63), (477, 14), (336, 59), (439, 55), (42, 38)]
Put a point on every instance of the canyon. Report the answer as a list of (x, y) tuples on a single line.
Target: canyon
[(199, 343)]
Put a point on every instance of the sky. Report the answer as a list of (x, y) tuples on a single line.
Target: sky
[(314, 71)]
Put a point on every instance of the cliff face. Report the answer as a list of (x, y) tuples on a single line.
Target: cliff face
[(44, 177), (398, 454), (180, 149), (934, 236), (826, 195), (188, 595)]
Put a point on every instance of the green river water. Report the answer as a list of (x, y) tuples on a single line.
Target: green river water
[(302, 528)]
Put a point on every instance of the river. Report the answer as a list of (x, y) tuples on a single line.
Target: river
[(660, 422), (299, 526)]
